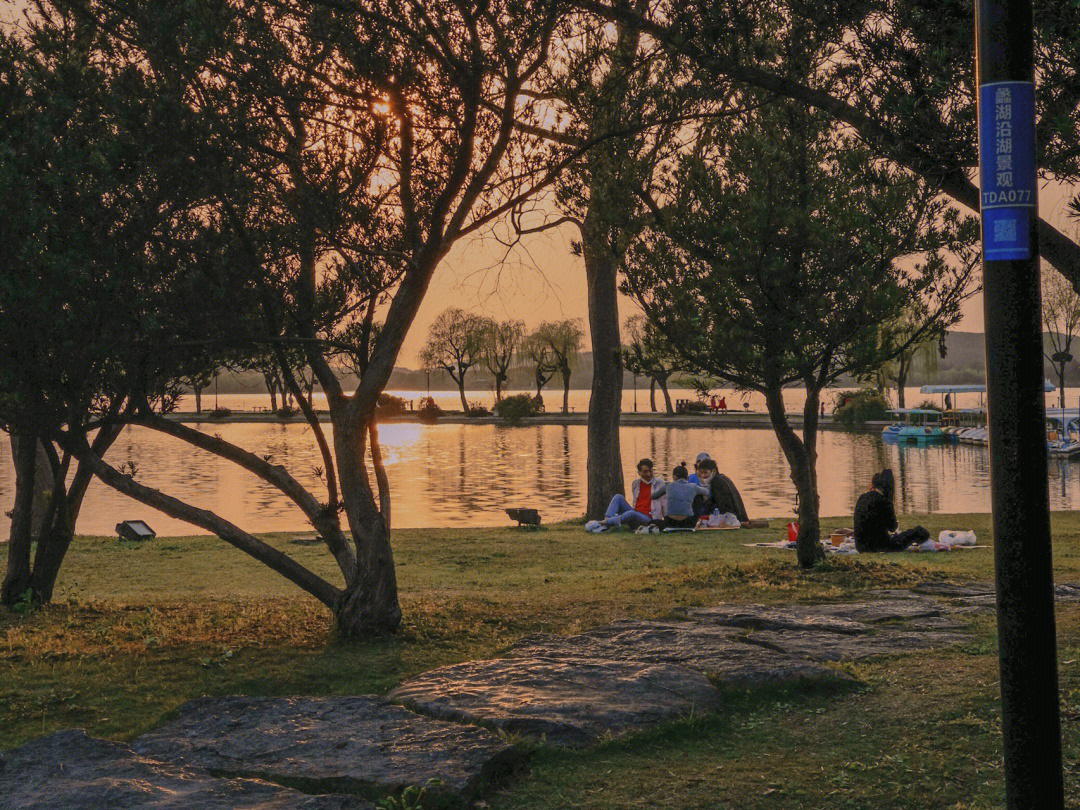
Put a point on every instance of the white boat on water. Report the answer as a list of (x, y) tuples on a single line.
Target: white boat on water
[(1063, 432)]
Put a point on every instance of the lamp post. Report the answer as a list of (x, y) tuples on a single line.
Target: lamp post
[(1016, 406), (635, 393)]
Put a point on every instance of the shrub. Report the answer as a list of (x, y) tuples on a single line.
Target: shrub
[(865, 405), (514, 409), (476, 409), (389, 405), (286, 412), (696, 406), (928, 405), (428, 410), (220, 413)]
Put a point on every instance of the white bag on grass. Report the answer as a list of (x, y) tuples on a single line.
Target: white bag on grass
[(953, 538)]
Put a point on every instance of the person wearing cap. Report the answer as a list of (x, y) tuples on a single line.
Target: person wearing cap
[(697, 466)]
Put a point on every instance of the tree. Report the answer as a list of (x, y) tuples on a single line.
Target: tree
[(455, 343), (880, 69), (648, 353), (536, 348), (564, 340), (97, 233), (198, 383), (925, 350), (613, 89), (1061, 317), (358, 144), (777, 262), (501, 341)]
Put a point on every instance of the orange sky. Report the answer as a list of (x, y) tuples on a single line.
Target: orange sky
[(543, 280)]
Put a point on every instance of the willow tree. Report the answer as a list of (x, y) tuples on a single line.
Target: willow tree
[(925, 350), (779, 257), (498, 346), (455, 343), (536, 349), (363, 140), (1061, 317), (616, 90), (648, 353), (563, 341)]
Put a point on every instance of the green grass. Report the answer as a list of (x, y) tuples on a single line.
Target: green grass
[(139, 629)]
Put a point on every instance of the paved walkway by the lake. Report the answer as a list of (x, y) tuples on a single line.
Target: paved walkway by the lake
[(456, 728)]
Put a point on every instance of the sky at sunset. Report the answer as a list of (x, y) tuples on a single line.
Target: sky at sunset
[(542, 279)]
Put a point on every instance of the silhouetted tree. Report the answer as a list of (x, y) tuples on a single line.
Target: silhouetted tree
[(648, 353), (564, 340), (455, 343), (500, 343)]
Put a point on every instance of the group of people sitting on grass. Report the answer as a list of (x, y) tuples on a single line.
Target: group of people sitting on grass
[(683, 503), (708, 498)]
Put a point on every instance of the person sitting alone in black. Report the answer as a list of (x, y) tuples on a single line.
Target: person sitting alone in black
[(875, 519)]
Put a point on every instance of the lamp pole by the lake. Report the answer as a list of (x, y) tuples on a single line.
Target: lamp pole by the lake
[(635, 393), (1016, 405), (215, 389)]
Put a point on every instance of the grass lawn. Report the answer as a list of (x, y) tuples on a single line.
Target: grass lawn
[(139, 629)]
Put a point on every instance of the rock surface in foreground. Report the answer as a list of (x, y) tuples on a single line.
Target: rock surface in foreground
[(572, 702), (76, 772), (354, 743), (717, 651)]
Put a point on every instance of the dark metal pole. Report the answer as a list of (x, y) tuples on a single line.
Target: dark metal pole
[(1016, 407)]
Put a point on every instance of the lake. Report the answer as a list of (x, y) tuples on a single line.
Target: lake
[(466, 475)]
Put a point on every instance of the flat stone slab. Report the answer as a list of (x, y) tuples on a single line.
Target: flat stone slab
[(569, 702), (823, 646), (848, 617), (766, 617), (715, 650), (329, 743), (74, 771), (983, 595)]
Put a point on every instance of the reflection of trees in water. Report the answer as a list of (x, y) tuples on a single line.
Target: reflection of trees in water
[(467, 474), (567, 490), (1061, 470)]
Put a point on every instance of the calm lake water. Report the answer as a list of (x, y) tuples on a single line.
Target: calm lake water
[(466, 475)]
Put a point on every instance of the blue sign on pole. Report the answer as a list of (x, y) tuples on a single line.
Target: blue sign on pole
[(1007, 168)]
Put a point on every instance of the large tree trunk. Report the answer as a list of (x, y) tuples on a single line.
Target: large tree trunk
[(498, 388), (271, 387), (566, 392), (198, 398), (65, 504), (605, 476), (1061, 386), (667, 395), (901, 381), (461, 391), (369, 605), (652, 394), (17, 578), (801, 457)]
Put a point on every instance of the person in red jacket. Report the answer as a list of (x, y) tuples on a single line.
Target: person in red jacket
[(645, 489)]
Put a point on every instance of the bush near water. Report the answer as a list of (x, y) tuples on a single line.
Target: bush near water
[(865, 405), (514, 409)]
